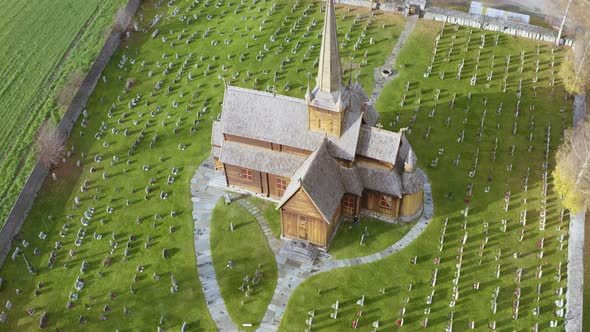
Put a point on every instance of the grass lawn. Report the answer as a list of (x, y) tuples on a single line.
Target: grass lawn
[(140, 145), (246, 246), (271, 214), (492, 235), (346, 243), (43, 43)]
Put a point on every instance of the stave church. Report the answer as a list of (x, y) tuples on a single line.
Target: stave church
[(323, 158)]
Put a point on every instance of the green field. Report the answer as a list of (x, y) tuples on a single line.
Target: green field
[(43, 43), (189, 124), (487, 243), (379, 235)]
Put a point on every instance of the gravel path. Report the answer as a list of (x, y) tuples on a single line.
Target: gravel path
[(380, 80)]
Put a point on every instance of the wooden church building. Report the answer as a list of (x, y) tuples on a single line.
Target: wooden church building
[(322, 158)]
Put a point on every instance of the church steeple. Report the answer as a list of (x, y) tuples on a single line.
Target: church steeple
[(329, 80), (326, 105)]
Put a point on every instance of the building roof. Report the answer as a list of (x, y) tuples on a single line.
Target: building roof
[(360, 101), (320, 178), (412, 182), (285, 122), (267, 117), (378, 144), (382, 180), (260, 159), (351, 179), (344, 147)]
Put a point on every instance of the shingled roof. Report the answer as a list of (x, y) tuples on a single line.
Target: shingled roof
[(285, 122), (382, 180), (263, 160), (351, 179), (320, 177), (378, 144), (360, 101), (267, 117)]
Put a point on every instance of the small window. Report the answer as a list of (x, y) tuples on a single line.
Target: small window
[(246, 174), (384, 202), (281, 186), (349, 202)]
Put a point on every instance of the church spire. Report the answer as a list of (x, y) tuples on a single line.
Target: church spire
[(329, 80)]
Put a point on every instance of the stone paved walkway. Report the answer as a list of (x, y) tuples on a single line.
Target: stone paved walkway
[(380, 80), (204, 198)]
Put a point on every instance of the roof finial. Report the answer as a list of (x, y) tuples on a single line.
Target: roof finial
[(308, 93), (340, 103)]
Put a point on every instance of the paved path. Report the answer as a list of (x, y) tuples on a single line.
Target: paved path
[(575, 250), (204, 198), (380, 80)]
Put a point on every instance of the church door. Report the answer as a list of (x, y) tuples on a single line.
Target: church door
[(302, 227)]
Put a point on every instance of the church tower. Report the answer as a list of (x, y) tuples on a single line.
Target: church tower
[(326, 103)]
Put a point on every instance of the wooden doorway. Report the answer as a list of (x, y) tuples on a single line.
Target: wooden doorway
[(302, 227)]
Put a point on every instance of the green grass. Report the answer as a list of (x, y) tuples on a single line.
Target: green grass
[(396, 272), (35, 36), (246, 246), (346, 243), (128, 181), (271, 214)]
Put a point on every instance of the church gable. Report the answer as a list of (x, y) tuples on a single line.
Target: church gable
[(302, 204)]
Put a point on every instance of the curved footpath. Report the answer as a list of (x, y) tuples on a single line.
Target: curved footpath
[(204, 198), (207, 187)]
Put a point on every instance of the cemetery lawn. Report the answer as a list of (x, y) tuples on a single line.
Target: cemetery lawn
[(271, 214), (155, 135), (396, 273), (246, 246), (43, 43), (381, 235)]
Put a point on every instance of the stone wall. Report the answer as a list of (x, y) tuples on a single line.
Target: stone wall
[(27, 196), (494, 24)]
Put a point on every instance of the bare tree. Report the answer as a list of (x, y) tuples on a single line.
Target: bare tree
[(50, 145), (572, 170)]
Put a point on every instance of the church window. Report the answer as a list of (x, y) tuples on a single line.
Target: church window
[(246, 174), (281, 186), (385, 202), (349, 202)]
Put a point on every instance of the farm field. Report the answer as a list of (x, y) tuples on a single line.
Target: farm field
[(495, 254), (126, 213), (51, 41)]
